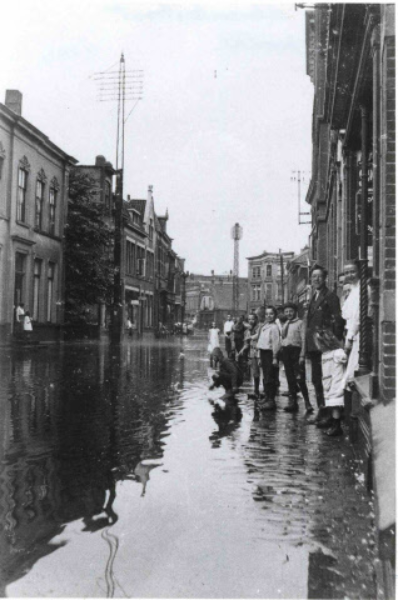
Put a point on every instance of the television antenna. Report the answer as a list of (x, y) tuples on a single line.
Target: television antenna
[(122, 86), (300, 177)]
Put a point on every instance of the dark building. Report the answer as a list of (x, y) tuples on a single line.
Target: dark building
[(351, 62)]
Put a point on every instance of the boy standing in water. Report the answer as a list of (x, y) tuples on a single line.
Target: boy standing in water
[(293, 356)]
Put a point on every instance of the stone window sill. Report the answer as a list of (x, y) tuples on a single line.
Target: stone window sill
[(362, 385), (22, 224)]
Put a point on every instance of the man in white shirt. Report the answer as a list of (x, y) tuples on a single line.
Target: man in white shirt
[(228, 326)]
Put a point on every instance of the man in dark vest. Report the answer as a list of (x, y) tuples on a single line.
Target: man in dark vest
[(323, 313)]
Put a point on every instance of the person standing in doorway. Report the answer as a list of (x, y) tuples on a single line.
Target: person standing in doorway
[(323, 314), (228, 326), (19, 316), (27, 325)]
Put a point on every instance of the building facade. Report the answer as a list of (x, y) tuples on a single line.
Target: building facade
[(33, 208), (268, 278), (152, 272), (298, 284), (351, 62), (209, 298)]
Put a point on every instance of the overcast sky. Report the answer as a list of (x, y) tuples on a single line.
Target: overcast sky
[(225, 117)]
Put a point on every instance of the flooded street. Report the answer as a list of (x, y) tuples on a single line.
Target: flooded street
[(117, 481)]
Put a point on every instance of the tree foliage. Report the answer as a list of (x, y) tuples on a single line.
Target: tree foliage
[(88, 247)]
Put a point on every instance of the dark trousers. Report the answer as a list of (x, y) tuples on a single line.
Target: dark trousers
[(228, 345), (270, 373), (316, 367), (238, 344), (295, 373)]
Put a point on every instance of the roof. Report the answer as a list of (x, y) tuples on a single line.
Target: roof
[(137, 205), (270, 254), (45, 140)]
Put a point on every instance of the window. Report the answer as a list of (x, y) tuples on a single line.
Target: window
[(39, 203), (151, 230), (22, 186), (19, 290), (107, 195), (36, 289), (52, 206), (140, 261), (269, 270), (256, 290), (269, 292), (256, 272), (50, 290)]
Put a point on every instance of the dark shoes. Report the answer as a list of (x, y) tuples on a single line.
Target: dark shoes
[(292, 406), (325, 423), (335, 430), (309, 409), (268, 405)]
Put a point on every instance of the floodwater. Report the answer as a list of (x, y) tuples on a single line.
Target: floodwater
[(118, 480)]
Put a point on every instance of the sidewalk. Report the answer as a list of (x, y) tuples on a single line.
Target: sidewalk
[(383, 446)]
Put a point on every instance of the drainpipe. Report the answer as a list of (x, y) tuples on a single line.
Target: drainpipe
[(363, 257), (375, 280)]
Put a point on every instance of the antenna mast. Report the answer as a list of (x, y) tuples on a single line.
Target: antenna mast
[(299, 176)]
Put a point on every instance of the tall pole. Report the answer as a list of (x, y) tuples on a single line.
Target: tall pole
[(282, 281), (363, 258), (117, 310), (236, 235)]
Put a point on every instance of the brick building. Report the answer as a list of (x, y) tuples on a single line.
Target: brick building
[(265, 280), (209, 298), (33, 207), (351, 62)]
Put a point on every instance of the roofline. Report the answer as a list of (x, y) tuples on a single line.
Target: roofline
[(30, 129), (264, 254)]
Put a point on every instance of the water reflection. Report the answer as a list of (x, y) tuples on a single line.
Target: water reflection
[(105, 450), (228, 417), (75, 423)]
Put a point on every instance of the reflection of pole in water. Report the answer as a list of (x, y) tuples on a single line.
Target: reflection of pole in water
[(113, 544)]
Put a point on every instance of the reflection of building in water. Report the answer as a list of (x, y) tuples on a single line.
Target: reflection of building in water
[(75, 424)]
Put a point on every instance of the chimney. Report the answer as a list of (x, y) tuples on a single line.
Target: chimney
[(14, 101), (100, 161), (128, 197)]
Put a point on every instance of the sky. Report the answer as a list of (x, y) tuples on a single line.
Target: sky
[(224, 120)]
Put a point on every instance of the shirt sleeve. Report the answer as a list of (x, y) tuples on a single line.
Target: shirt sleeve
[(301, 329), (276, 341)]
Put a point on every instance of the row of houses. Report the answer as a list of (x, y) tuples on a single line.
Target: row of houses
[(34, 184), (350, 52)]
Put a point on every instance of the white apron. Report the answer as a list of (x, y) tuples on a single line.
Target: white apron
[(333, 370)]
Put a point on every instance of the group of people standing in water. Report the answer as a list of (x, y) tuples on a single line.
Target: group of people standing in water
[(326, 339)]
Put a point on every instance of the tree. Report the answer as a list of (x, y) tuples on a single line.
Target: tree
[(88, 247)]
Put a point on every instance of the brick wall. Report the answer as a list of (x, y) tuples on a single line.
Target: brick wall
[(388, 244)]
